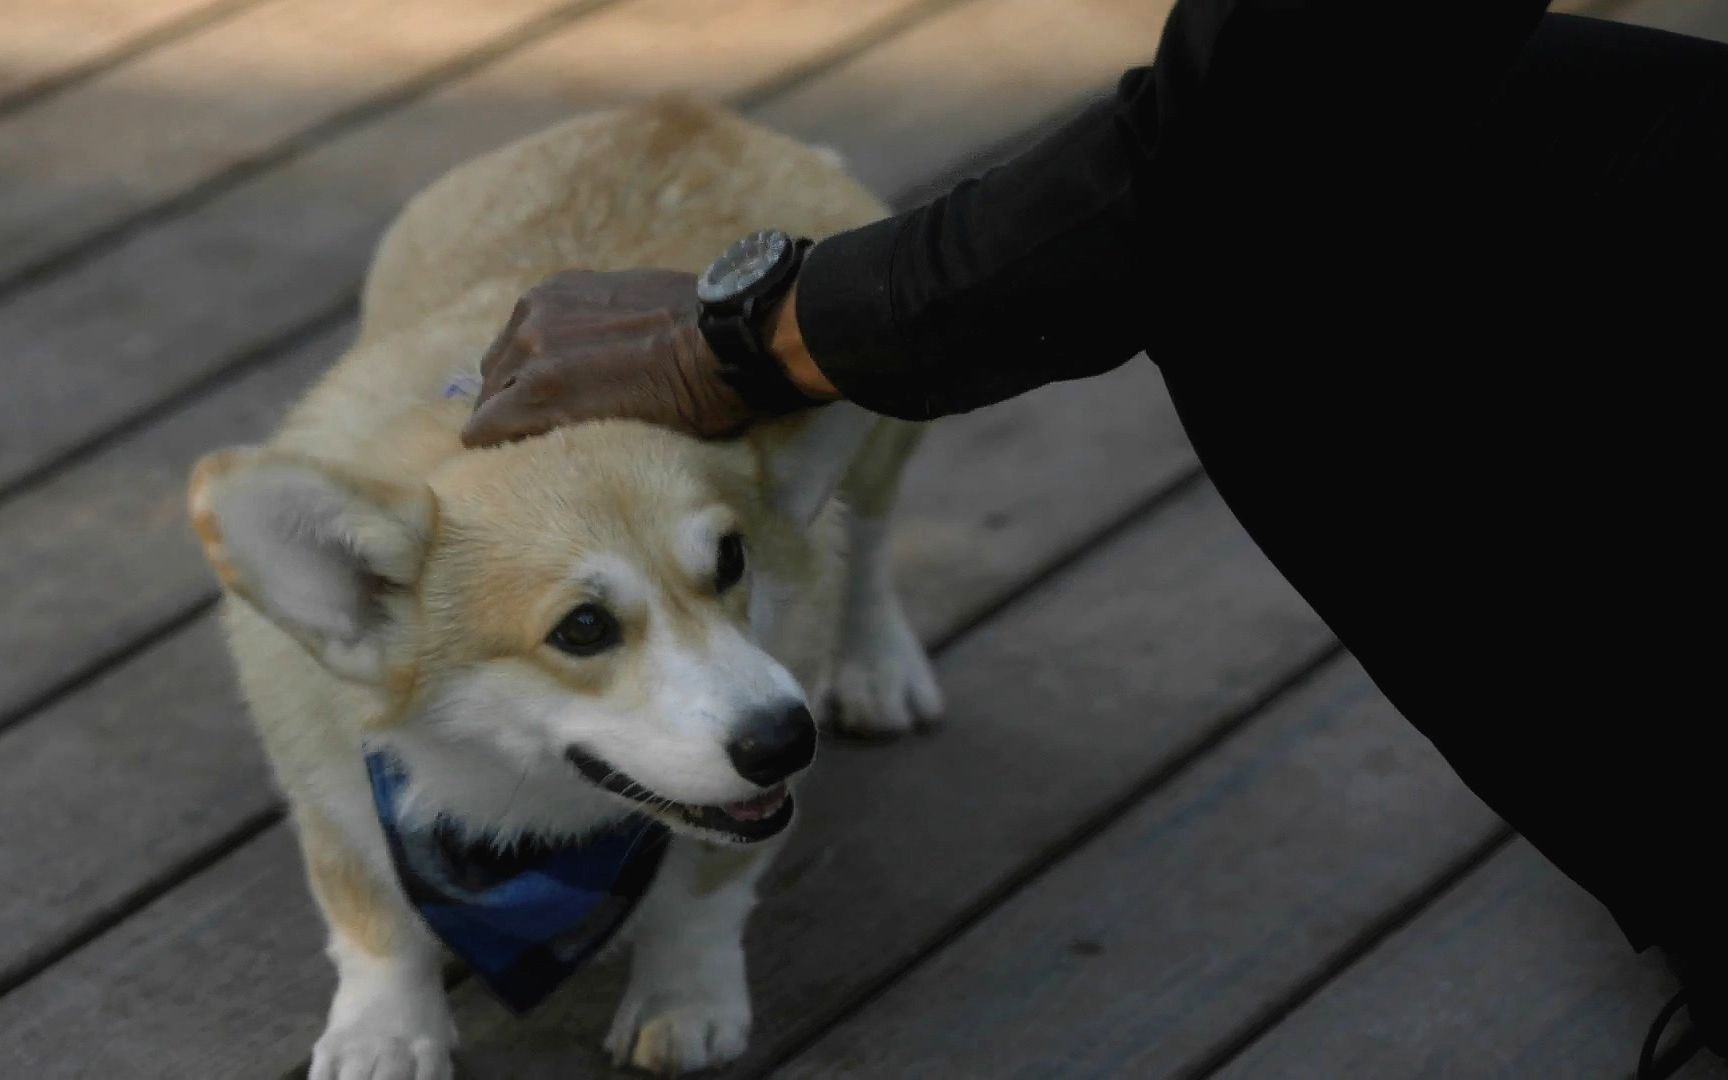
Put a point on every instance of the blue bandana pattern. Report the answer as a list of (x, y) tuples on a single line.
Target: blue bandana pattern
[(526, 919)]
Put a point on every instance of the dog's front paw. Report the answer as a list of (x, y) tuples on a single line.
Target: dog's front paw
[(389, 1020), (883, 685), (674, 1032), (364, 1052)]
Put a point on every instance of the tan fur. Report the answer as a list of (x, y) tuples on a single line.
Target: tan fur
[(348, 891), (475, 549)]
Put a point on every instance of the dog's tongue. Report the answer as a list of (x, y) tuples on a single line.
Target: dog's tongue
[(758, 808)]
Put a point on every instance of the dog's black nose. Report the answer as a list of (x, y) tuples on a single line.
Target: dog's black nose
[(773, 743)]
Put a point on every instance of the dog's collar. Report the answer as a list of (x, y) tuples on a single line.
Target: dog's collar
[(525, 919)]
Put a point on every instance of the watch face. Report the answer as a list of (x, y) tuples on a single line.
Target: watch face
[(742, 266)]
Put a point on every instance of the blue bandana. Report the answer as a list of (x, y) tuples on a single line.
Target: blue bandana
[(526, 918)]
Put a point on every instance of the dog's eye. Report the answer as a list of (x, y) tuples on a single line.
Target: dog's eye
[(729, 569), (587, 630)]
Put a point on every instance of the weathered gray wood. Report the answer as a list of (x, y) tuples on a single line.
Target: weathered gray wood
[(992, 497), (167, 307), (211, 958), (1517, 973), (1067, 700), (105, 793), (145, 130), (986, 69), (1194, 915), (103, 555), (46, 42)]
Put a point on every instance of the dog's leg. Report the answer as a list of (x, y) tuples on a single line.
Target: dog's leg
[(389, 1017), (688, 1003), (883, 684)]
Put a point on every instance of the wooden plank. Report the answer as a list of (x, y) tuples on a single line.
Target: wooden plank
[(981, 68), (1517, 972), (991, 498), (1167, 632), (138, 134), (149, 769), (48, 45), (228, 1002), (166, 309), (1197, 913)]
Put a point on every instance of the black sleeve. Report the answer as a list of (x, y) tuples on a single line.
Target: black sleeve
[(1050, 266)]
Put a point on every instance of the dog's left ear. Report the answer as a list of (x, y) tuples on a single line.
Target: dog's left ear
[(326, 554), (806, 455)]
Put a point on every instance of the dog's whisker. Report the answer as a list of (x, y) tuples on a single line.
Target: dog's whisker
[(510, 803)]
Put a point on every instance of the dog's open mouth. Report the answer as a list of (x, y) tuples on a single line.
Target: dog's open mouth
[(745, 822)]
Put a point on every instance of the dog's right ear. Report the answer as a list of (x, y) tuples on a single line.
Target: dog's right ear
[(327, 555)]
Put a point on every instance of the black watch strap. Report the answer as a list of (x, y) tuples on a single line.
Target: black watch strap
[(739, 335)]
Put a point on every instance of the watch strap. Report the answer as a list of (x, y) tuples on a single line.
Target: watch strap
[(737, 333)]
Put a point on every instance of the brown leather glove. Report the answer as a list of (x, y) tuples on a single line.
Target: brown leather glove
[(586, 344)]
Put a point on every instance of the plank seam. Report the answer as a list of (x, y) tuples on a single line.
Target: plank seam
[(1391, 922), (124, 907), (839, 53), (241, 363), (125, 52), (93, 669), (1139, 511)]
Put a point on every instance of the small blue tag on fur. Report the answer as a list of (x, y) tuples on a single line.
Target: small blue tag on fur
[(462, 386), (526, 918)]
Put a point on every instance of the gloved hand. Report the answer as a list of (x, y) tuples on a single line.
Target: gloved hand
[(586, 344)]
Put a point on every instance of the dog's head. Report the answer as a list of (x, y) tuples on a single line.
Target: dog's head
[(573, 609)]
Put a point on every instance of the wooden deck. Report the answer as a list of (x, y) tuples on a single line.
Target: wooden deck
[(1220, 852)]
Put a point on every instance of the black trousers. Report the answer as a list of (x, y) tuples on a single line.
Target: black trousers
[(1470, 410)]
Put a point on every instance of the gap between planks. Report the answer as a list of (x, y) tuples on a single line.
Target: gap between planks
[(1372, 937), (145, 41)]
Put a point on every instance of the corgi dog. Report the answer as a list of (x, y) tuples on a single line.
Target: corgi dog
[(485, 655)]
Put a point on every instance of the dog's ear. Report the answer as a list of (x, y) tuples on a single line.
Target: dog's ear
[(327, 555), (806, 455)]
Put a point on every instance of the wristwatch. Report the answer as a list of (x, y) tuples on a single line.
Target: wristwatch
[(735, 296)]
